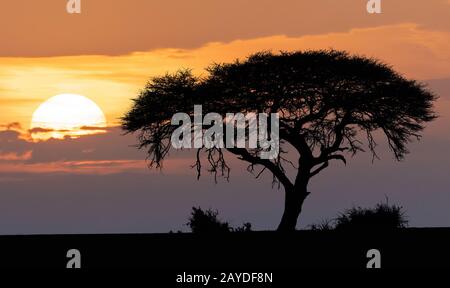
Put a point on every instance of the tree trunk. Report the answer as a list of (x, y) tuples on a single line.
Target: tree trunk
[(293, 206)]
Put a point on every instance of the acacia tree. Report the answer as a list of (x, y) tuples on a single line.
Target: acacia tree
[(329, 103)]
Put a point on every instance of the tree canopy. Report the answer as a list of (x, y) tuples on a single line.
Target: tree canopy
[(326, 100)]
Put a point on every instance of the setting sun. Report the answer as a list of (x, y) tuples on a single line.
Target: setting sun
[(67, 115)]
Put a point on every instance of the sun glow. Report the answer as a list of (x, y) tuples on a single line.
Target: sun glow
[(67, 115)]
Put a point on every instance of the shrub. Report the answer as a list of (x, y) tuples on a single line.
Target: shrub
[(382, 217), (207, 222)]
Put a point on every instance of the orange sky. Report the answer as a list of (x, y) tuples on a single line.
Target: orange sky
[(111, 81), (109, 52), (42, 28)]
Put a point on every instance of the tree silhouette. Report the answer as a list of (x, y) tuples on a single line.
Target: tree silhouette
[(330, 104)]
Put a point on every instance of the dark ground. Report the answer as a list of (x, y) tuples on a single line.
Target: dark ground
[(261, 251)]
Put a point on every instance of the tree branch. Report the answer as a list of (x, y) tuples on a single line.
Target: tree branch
[(276, 171)]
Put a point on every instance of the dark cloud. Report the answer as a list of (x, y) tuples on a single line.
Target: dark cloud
[(38, 130), (11, 126), (92, 128), (112, 145), (10, 142)]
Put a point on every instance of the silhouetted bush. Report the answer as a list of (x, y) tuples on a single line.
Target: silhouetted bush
[(207, 222), (382, 217)]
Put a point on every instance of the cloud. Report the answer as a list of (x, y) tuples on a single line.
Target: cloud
[(107, 153), (11, 156), (37, 130), (15, 126), (74, 167), (114, 152), (93, 128), (111, 81), (413, 50)]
